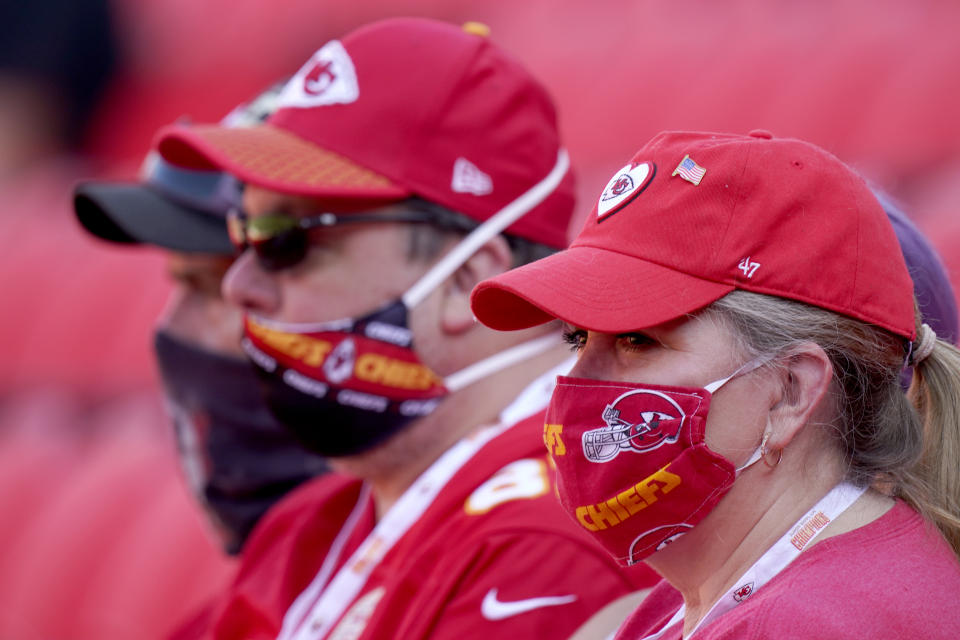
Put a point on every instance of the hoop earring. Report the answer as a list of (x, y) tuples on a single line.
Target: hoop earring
[(764, 453)]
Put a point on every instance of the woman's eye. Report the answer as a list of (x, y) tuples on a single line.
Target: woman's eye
[(576, 338), (635, 340)]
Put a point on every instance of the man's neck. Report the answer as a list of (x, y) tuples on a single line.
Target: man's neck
[(394, 466)]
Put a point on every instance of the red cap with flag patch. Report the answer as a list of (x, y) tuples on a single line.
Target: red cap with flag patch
[(401, 107), (695, 216)]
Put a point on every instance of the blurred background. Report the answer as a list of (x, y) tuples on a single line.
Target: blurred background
[(98, 537)]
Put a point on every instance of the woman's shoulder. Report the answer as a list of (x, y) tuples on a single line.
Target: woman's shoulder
[(899, 538), (656, 609), (895, 577)]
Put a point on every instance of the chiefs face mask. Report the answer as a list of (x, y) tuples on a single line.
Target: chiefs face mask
[(344, 387), (632, 465), (237, 459)]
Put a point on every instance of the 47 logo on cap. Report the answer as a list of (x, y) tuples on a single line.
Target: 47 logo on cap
[(623, 187)]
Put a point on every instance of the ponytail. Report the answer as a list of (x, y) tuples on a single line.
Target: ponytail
[(935, 392)]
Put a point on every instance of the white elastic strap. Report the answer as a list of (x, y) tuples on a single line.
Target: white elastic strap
[(756, 363), (925, 342), (500, 361), (776, 558), (489, 229), (300, 608), (757, 454)]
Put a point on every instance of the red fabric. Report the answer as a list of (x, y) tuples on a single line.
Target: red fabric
[(894, 578), (774, 216), (406, 106), (650, 456), (438, 574), (99, 539), (384, 370), (78, 312)]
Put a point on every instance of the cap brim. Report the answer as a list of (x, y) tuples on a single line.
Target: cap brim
[(591, 288), (275, 159), (134, 213)]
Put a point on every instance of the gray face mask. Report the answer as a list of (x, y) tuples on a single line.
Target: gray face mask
[(238, 460)]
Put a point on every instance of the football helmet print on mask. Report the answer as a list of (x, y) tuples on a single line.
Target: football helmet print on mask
[(641, 420), (648, 476)]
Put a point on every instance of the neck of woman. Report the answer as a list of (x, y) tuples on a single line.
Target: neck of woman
[(762, 505)]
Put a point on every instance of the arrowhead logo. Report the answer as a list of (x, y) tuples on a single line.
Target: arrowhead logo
[(468, 178), (327, 78), (623, 187)]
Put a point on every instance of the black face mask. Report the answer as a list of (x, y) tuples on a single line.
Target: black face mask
[(237, 459), (328, 406)]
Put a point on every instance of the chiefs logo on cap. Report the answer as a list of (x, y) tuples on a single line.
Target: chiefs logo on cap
[(623, 187), (328, 77)]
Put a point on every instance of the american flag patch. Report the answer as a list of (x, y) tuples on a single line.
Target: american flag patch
[(689, 171)]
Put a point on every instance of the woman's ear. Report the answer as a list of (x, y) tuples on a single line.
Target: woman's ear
[(492, 258), (805, 376)]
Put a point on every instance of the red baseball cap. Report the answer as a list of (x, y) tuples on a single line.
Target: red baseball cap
[(401, 107), (695, 216)]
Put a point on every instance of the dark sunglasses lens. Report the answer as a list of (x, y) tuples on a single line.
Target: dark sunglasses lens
[(281, 250)]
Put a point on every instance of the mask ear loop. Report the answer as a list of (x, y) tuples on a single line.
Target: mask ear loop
[(493, 227), (761, 452), (756, 363)]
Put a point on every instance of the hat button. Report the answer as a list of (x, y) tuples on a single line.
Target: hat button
[(761, 133), (477, 29)]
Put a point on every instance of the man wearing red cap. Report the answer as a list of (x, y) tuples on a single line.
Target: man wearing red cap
[(406, 162)]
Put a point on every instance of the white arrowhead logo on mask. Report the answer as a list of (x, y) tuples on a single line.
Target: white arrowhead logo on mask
[(623, 187), (328, 77)]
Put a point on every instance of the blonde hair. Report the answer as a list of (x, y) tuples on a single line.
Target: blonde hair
[(905, 445)]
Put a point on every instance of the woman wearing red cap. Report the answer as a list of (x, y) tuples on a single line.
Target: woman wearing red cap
[(742, 314)]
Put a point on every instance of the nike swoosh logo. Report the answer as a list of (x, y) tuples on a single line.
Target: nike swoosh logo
[(494, 609)]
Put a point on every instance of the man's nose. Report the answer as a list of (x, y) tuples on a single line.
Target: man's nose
[(592, 359), (247, 286)]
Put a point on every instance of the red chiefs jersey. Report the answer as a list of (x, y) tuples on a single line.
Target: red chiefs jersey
[(493, 556)]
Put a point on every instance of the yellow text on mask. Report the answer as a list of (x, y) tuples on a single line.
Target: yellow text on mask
[(373, 367), (309, 351), (551, 438), (626, 503)]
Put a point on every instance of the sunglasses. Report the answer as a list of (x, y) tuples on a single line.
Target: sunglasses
[(281, 241)]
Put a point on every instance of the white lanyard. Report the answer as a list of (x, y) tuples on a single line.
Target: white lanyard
[(320, 605), (777, 557)]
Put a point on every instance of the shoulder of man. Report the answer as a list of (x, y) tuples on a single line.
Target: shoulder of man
[(311, 506), (499, 557), (517, 570), (281, 556), (509, 489)]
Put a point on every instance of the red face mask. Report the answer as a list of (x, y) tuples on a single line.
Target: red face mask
[(632, 465)]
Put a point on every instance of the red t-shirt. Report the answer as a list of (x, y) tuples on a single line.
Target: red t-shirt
[(894, 578), (492, 542)]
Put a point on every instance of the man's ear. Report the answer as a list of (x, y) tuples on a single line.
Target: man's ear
[(805, 374), (492, 258)]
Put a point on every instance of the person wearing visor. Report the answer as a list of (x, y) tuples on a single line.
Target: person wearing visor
[(742, 315), (236, 458), (406, 162)]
